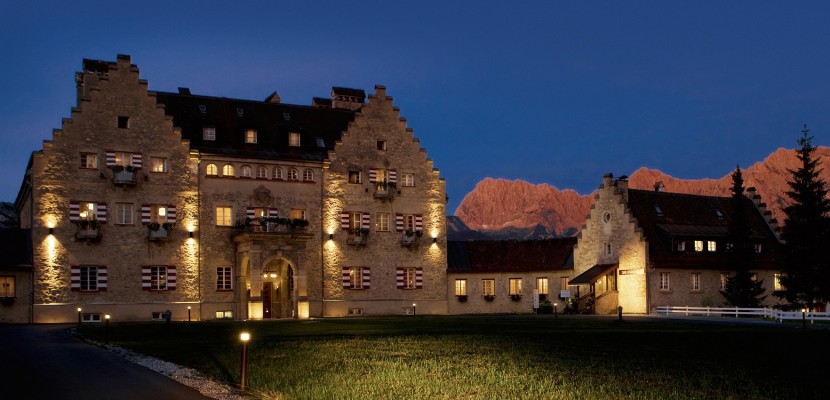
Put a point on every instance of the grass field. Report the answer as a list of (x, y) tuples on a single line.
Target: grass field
[(495, 357)]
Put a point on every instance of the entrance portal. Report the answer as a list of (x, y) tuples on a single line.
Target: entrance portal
[(278, 290)]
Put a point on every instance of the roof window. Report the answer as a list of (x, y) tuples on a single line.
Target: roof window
[(240, 112), (321, 143), (286, 116), (719, 214), (202, 108), (658, 210)]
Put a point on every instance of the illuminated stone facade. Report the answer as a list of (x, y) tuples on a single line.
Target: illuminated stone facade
[(219, 208)]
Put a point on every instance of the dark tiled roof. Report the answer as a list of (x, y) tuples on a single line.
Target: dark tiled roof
[(359, 93), (272, 121), (16, 248), (510, 256), (693, 217), (593, 272)]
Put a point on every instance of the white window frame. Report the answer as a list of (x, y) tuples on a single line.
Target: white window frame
[(293, 174), (695, 283), (665, 281), (724, 277), (382, 222), (488, 287), (124, 214), (297, 213), (211, 170), (209, 133), (357, 175), (158, 164), (408, 180), (308, 175), (460, 287), (515, 286), (158, 277), (228, 170), (247, 171), (88, 278), (224, 278), (86, 158), (278, 174), (250, 136), (355, 277), (293, 139), (261, 172), (409, 278), (542, 285), (224, 216)]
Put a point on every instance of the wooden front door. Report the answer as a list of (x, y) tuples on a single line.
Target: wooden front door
[(267, 289)]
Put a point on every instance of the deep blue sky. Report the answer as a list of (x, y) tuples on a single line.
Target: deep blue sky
[(555, 92)]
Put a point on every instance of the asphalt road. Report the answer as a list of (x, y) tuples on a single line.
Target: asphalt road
[(46, 362)]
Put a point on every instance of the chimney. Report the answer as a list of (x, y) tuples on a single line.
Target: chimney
[(184, 90), (607, 178), (659, 187)]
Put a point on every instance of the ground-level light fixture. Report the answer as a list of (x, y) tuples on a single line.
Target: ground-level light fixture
[(244, 337), (188, 313), (106, 329), (79, 317)]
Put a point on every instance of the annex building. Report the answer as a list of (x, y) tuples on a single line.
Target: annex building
[(218, 208)]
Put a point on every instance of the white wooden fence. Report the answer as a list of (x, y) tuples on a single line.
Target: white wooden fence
[(736, 312)]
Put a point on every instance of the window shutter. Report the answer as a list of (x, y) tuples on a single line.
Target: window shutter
[(346, 281), (344, 220), (75, 278), (367, 277), (74, 211), (171, 278), (136, 160), (419, 222), (110, 158), (366, 223), (102, 213), (400, 277), (102, 277), (145, 277), (273, 212), (393, 176), (171, 214), (419, 278), (146, 214), (250, 213), (399, 222), (373, 175)]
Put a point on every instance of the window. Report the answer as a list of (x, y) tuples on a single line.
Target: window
[(608, 248), (278, 173), (7, 286), (488, 287), (296, 213), (355, 221), (158, 214), (563, 283), (606, 218), (209, 133), (665, 281), (124, 213), (681, 246), (695, 281), (240, 112), (123, 159), (658, 211), (542, 285), (89, 278), (89, 317), (308, 175), (321, 143), (223, 216), (87, 211), (226, 314), (246, 171), (123, 122), (776, 285), (211, 170), (202, 108), (698, 245), (286, 116), (381, 175), (294, 139), (753, 277), (409, 278), (382, 222), (356, 278), (723, 278), (227, 170), (89, 160), (382, 145), (158, 278), (355, 177), (293, 174), (460, 287), (758, 248), (224, 278), (711, 245), (408, 180), (719, 214), (409, 223), (261, 172), (250, 136), (515, 286), (158, 164)]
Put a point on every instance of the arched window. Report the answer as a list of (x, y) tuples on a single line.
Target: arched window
[(261, 172), (278, 173), (227, 170), (211, 169), (246, 171), (293, 174), (308, 175)]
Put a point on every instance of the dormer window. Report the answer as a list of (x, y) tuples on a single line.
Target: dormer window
[(758, 248), (286, 116), (719, 214), (681, 246), (321, 143), (202, 108), (658, 210), (240, 112), (711, 245), (209, 133), (250, 136), (294, 139)]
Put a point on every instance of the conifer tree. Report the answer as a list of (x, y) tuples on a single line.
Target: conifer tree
[(741, 290), (806, 232)]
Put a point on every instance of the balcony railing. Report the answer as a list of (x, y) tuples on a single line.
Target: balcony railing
[(358, 238), (88, 233), (124, 178), (158, 235)]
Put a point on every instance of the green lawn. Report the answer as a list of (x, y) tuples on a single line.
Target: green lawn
[(495, 357)]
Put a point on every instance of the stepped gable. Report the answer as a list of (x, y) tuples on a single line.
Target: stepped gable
[(667, 217), (510, 256), (273, 122)]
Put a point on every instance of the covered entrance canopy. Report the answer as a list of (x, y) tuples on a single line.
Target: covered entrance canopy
[(592, 273)]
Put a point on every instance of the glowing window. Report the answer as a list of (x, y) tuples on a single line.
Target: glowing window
[(460, 287), (711, 245), (158, 278), (355, 278), (250, 136), (382, 222), (211, 170), (515, 286), (409, 278), (698, 245), (223, 216), (7, 286), (294, 139), (542, 285), (777, 285), (488, 287), (158, 164), (227, 170)]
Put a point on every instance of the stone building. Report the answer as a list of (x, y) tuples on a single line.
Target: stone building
[(213, 207), (508, 276), (644, 249)]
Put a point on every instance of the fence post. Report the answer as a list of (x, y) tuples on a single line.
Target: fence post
[(736, 312), (707, 311)]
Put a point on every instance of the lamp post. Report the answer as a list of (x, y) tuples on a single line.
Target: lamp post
[(244, 337), (188, 313), (804, 318), (555, 315), (107, 329), (413, 309), (79, 317)]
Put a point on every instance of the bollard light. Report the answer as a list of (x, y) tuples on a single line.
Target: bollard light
[(107, 329), (79, 317), (188, 313), (244, 337), (555, 315), (413, 309)]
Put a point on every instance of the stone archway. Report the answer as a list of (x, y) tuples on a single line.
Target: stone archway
[(278, 289)]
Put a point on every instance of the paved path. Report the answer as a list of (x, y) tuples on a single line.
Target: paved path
[(46, 362)]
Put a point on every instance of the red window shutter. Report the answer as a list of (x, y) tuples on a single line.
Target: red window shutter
[(346, 281), (373, 175), (110, 158), (74, 211), (146, 214), (250, 212), (171, 278), (367, 277), (399, 222), (145, 277), (102, 277), (273, 212), (419, 278), (171, 214), (101, 215), (136, 160), (367, 222), (393, 176), (419, 222), (344, 220), (400, 277), (75, 278)]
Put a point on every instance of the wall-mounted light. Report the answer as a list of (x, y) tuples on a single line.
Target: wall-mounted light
[(435, 240), (51, 231), (190, 234), (331, 236)]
